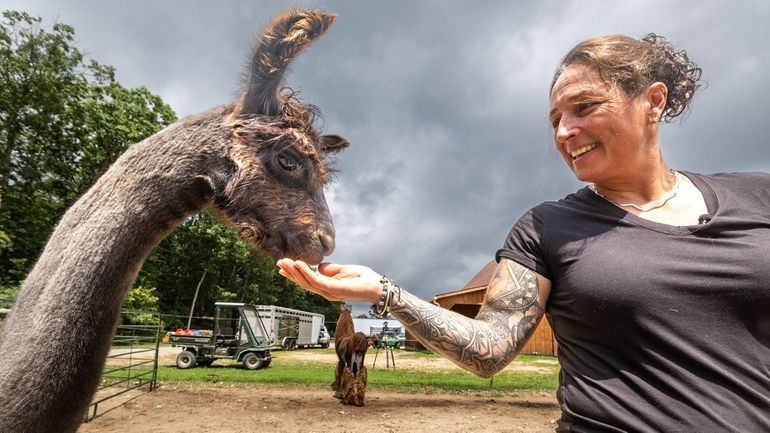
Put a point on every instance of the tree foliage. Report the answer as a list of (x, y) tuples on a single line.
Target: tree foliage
[(63, 120), (141, 300)]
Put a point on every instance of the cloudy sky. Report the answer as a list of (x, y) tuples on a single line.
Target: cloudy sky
[(444, 102)]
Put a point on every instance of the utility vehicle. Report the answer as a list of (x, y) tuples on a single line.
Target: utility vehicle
[(238, 334)]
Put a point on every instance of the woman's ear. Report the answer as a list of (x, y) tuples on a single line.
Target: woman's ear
[(657, 95)]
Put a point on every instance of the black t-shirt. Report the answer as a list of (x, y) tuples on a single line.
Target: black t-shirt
[(660, 328)]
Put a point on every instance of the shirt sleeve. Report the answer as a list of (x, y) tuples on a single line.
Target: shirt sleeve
[(524, 244)]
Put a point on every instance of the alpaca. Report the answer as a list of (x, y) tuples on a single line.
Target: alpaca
[(343, 330), (350, 375), (261, 165), (354, 376)]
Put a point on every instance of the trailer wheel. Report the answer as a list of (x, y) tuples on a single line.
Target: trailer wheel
[(252, 361), (185, 359), (288, 343)]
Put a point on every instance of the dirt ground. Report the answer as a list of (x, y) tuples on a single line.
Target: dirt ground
[(226, 407)]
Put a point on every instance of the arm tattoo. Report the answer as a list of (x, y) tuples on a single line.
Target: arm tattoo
[(485, 345)]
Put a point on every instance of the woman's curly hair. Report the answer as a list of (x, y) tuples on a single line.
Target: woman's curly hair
[(634, 64)]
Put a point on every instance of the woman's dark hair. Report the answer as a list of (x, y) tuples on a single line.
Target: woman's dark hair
[(634, 64)]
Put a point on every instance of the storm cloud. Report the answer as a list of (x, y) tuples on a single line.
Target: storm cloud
[(444, 102)]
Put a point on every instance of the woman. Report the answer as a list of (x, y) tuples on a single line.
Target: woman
[(655, 281)]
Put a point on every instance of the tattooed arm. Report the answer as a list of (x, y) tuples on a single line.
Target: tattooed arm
[(514, 304)]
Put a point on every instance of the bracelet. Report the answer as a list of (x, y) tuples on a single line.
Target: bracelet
[(382, 307)]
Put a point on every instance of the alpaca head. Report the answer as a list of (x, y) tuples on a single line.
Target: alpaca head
[(346, 310), (274, 195)]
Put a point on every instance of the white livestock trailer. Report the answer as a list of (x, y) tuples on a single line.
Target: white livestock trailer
[(290, 328)]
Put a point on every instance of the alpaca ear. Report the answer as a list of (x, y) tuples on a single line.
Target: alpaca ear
[(333, 143)]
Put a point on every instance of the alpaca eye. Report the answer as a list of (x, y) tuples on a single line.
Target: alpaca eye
[(287, 166), (288, 162)]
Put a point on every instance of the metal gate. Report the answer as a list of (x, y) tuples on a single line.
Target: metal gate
[(132, 364)]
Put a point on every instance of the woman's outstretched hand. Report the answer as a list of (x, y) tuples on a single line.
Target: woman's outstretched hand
[(334, 282)]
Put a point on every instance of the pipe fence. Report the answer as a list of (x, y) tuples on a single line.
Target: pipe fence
[(132, 364)]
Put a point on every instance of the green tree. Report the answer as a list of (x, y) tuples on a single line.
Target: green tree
[(63, 121), (141, 300)]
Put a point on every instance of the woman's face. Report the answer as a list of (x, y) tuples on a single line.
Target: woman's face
[(601, 133)]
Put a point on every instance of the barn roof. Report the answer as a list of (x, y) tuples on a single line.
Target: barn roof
[(479, 282)]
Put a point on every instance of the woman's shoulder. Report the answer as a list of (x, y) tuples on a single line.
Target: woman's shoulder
[(560, 211), (576, 200), (742, 180), (737, 176), (746, 187)]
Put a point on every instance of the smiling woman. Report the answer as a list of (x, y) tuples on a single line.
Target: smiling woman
[(612, 140), (607, 99), (655, 281)]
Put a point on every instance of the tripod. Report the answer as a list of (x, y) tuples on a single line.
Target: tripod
[(388, 360)]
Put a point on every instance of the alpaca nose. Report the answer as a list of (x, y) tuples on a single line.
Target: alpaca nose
[(327, 243), (325, 233)]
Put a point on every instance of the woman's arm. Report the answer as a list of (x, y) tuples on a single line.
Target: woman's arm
[(514, 304)]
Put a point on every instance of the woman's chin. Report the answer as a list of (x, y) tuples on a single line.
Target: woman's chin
[(583, 175)]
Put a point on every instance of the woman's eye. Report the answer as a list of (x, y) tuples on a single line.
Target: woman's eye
[(287, 162), (584, 106)]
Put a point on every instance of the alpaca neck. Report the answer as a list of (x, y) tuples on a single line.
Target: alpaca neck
[(53, 345)]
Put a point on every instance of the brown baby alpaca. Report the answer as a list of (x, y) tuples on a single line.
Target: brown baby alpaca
[(350, 375)]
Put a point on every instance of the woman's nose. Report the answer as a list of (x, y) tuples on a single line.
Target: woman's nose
[(565, 130)]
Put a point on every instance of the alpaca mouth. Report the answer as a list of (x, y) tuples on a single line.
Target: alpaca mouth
[(308, 252), (279, 245), (268, 244), (265, 242)]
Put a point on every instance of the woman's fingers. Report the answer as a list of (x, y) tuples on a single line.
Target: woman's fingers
[(329, 269), (289, 271), (301, 281), (301, 274), (332, 281), (311, 277)]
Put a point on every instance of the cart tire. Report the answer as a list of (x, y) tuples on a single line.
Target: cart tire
[(325, 346), (186, 359), (266, 363), (252, 361), (206, 363)]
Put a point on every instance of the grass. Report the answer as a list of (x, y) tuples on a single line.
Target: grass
[(286, 370)]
